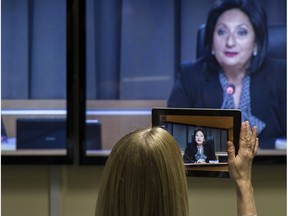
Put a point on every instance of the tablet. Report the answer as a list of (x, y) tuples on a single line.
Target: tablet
[(216, 127)]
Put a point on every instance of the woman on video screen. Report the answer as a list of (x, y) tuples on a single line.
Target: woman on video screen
[(200, 150), (236, 72)]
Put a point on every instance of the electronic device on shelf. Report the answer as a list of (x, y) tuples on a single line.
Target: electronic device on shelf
[(50, 133)]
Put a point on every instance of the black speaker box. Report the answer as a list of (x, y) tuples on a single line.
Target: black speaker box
[(50, 133)]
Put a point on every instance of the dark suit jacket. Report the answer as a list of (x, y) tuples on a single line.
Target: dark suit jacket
[(191, 150), (198, 87)]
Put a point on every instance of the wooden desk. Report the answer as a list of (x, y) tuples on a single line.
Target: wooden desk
[(221, 167)]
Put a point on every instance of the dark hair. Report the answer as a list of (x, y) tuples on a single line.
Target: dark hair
[(195, 132), (258, 19)]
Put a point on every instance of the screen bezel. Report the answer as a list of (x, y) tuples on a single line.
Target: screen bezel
[(203, 170)]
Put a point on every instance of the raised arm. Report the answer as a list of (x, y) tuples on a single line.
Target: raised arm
[(240, 167)]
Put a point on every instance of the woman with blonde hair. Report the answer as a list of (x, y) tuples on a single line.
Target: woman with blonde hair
[(145, 175)]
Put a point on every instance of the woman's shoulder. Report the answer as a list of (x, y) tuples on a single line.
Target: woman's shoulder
[(272, 69), (274, 62)]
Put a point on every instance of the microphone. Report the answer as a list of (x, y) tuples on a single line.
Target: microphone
[(229, 91)]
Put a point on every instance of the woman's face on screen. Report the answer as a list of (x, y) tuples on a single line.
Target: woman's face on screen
[(199, 137), (233, 39)]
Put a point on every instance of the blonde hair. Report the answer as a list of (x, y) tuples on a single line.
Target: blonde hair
[(144, 175)]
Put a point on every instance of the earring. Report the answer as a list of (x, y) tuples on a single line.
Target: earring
[(255, 52), (213, 52)]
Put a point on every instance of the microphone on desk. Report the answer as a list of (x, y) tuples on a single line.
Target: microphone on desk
[(229, 91)]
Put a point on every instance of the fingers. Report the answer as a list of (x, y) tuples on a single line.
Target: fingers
[(255, 150), (230, 151), (248, 143), (245, 133), (248, 140), (254, 133), (256, 142)]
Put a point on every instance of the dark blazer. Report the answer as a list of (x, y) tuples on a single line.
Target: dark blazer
[(197, 86), (191, 150)]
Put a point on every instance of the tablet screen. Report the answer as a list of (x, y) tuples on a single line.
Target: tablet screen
[(202, 135)]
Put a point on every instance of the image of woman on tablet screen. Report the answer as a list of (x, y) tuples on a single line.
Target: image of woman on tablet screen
[(200, 150)]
